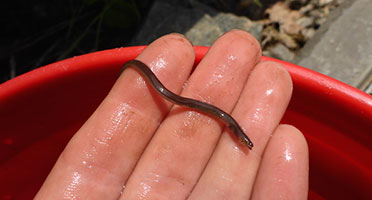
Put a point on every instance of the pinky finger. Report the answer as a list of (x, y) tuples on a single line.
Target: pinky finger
[(284, 170)]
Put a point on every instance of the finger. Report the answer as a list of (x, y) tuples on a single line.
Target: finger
[(232, 169), (99, 158), (284, 169), (181, 147)]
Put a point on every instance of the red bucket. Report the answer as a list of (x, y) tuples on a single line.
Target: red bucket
[(42, 109)]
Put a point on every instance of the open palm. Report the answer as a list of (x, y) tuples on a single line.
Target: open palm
[(137, 145)]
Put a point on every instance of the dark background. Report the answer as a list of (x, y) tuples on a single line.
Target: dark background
[(39, 32), (36, 33)]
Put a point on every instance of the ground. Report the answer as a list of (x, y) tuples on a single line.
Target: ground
[(39, 33)]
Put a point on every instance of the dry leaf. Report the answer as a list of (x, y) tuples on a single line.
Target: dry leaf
[(285, 17)]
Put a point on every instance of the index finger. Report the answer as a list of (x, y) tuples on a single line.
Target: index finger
[(99, 158)]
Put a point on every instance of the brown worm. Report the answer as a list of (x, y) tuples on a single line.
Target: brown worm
[(192, 103)]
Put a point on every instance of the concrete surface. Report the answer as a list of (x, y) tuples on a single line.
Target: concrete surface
[(201, 24), (342, 48)]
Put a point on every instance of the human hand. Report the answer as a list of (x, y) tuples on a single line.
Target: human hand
[(136, 145)]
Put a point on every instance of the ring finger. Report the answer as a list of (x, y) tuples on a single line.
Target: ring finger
[(231, 172)]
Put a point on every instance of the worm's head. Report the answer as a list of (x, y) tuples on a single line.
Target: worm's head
[(242, 137), (246, 141)]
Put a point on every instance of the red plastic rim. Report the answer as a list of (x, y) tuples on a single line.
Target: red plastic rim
[(42, 109)]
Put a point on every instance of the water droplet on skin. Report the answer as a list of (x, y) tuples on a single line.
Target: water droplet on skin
[(86, 163), (115, 124), (231, 58), (185, 84), (146, 185), (228, 179), (122, 190), (71, 191), (145, 189), (236, 148), (287, 155), (269, 92), (158, 64), (257, 114)]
